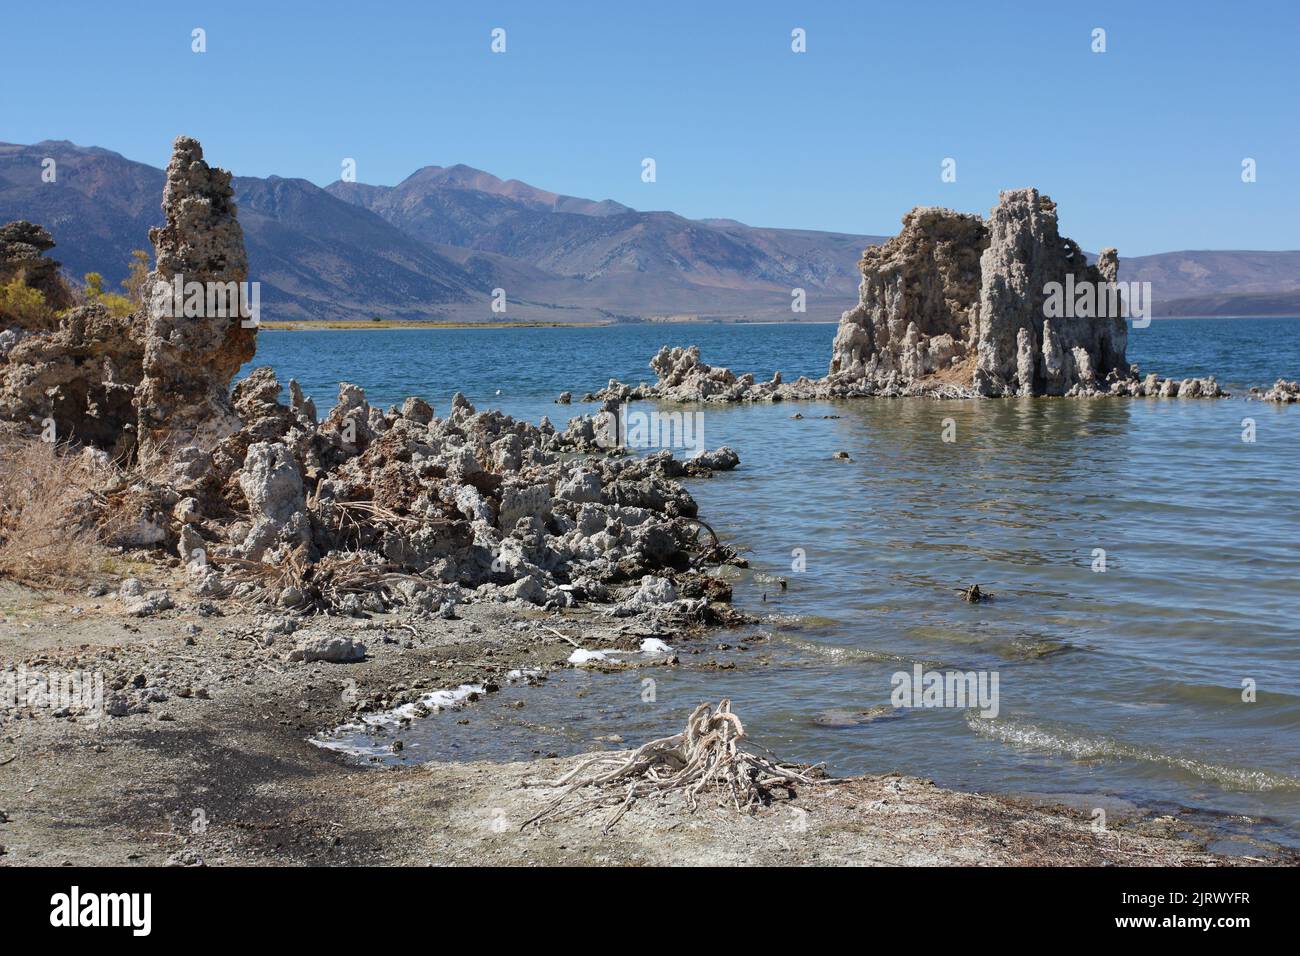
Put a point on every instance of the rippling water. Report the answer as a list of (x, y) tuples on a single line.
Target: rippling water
[(1115, 686)]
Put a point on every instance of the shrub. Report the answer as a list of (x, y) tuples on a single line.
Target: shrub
[(22, 304), (118, 305), (136, 278), (53, 519)]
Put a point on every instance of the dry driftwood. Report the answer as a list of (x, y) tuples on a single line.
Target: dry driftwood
[(707, 756)]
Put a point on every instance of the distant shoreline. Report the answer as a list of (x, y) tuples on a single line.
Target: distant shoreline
[(350, 325)]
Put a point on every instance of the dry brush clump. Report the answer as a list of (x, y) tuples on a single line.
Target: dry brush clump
[(56, 516)]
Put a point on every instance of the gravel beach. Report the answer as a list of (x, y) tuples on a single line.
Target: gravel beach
[(211, 762)]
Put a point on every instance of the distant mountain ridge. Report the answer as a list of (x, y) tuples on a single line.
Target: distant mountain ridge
[(593, 240), (437, 245), (1211, 282)]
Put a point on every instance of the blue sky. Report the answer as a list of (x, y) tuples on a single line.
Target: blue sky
[(1141, 146)]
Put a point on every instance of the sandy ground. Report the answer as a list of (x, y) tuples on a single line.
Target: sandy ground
[(213, 766)]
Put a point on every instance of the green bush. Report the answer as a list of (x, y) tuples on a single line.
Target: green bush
[(22, 304), (118, 305)]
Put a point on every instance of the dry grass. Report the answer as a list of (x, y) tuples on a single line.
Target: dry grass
[(53, 519), (963, 373)]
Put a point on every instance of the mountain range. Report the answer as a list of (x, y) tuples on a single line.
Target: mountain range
[(438, 244)]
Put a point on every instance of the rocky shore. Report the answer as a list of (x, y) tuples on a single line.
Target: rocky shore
[(210, 763), (361, 510)]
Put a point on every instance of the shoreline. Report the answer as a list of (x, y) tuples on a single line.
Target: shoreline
[(350, 325), (347, 325), (217, 767)]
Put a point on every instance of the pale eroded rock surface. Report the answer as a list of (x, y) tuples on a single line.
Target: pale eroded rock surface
[(1023, 350), (956, 306), (918, 298), (183, 399)]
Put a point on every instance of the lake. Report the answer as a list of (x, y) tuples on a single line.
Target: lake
[(1143, 557)]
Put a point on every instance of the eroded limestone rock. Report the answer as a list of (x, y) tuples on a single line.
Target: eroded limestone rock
[(1283, 392), (956, 306), (75, 368), (22, 253), (183, 399), (273, 488), (82, 375), (1024, 349), (365, 510), (915, 315)]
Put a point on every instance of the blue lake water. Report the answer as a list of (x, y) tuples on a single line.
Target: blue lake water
[(1116, 687)]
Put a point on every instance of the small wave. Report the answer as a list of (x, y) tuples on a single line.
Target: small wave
[(849, 655), (802, 622), (1098, 747), (1008, 648)]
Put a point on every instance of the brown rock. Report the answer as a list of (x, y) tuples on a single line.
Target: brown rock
[(22, 253), (916, 301)]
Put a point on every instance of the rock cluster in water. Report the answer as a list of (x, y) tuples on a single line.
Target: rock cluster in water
[(956, 300), (1022, 350), (683, 377), (956, 306), (1283, 392), (918, 305)]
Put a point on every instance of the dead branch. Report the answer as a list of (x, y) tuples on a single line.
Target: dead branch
[(707, 756)]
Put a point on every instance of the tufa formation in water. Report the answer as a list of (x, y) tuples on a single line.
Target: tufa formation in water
[(956, 306)]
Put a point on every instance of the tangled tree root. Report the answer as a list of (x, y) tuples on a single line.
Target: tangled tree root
[(708, 755)]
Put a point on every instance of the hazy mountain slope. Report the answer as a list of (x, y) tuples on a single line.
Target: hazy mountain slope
[(1201, 273), (321, 255), (98, 209), (581, 238), (1240, 303)]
